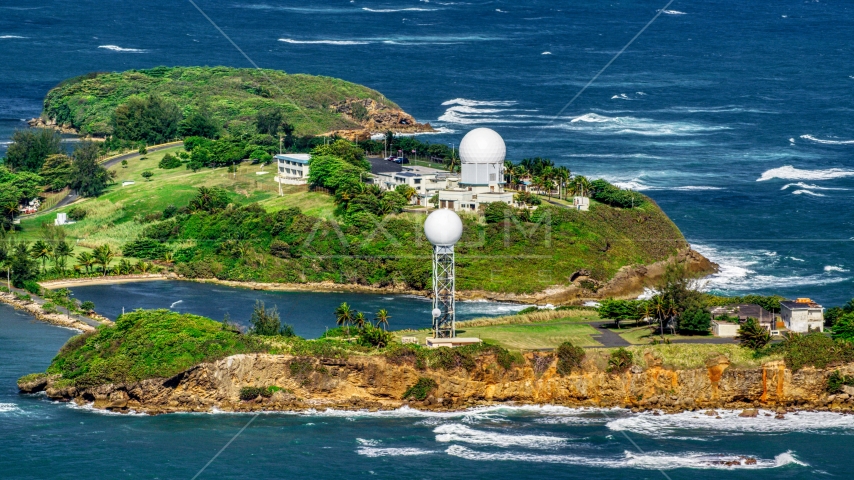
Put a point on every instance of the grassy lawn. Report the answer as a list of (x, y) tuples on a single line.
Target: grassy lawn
[(643, 335), (113, 218), (531, 336)]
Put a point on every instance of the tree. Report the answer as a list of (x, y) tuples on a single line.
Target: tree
[(209, 199), (23, 267), (264, 321), (619, 310), (344, 316), (30, 148), (406, 190), (41, 251), (61, 251), (269, 120), (359, 320), (86, 260), (151, 120), (497, 212), (169, 161), (103, 255), (10, 196), (344, 150), (147, 175), (382, 318), (88, 177), (391, 202), (124, 164), (695, 322), (199, 124), (752, 335), (844, 327), (88, 306), (56, 172)]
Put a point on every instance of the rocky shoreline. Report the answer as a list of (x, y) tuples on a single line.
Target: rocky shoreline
[(375, 383), (52, 318)]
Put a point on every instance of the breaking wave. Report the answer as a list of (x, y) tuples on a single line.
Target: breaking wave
[(827, 142), (809, 186), (599, 124), (742, 271), (9, 408), (789, 172), (646, 461), (11, 36), (116, 48), (807, 192), (456, 432), (835, 268), (392, 10), (324, 42), (673, 12)]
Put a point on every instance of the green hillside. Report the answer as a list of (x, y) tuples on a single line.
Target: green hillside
[(232, 95)]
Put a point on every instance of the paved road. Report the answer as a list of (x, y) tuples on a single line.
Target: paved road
[(607, 338), (127, 156), (381, 165)]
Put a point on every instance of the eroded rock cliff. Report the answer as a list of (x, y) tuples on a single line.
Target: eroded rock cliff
[(373, 382)]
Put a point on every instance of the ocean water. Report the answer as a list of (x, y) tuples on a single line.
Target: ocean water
[(735, 118), (44, 439), (310, 313)]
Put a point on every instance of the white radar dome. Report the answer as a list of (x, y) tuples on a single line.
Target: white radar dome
[(443, 228), (482, 145)]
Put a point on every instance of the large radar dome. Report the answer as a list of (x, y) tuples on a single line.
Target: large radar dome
[(443, 228), (482, 145)]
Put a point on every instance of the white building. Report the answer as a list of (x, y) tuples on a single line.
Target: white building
[(424, 180), (293, 168), (482, 153), (724, 329), (802, 315)]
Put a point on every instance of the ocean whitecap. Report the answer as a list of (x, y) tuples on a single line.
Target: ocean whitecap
[(324, 42), (456, 432), (673, 12), (807, 192), (835, 268), (392, 10), (10, 36), (116, 48), (809, 186), (827, 142), (788, 172)]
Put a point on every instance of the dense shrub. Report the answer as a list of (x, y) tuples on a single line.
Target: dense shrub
[(371, 336), (620, 361), (33, 287), (77, 213), (250, 393), (604, 192), (421, 389), (815, 349), (169, 161), (569, 358), (835, 382), (146, 248), (752, 335), (695, 322)]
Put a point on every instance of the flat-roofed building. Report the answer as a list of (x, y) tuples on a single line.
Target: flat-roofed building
[(802, 315), (292, 168), (482, 153)]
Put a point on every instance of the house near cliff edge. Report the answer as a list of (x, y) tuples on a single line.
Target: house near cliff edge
[(802, 315)]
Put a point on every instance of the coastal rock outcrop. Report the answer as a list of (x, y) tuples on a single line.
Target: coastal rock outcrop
[(375, 382)]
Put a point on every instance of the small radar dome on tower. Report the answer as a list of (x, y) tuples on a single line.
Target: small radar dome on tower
[(443, 228), (482, 145)]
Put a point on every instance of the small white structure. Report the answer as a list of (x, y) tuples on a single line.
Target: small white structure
[(482, 153), (581, 203), (802, 315), (426, 181), (62, 219), (724, 329), (451, 342), (292, 168)]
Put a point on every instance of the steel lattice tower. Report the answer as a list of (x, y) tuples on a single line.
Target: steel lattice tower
[(443, 292)]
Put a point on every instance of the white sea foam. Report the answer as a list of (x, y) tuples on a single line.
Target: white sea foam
[(11, 36), (809, 186), (546, 53), (739, 271), (789, 172), (324, 42), (673, 12), (637, 184), (116, 48), (596, 124), (797, 259), (9, 408), (456, 432), (827, 142), (807, 192), (392, 10), (730, 423), (478, 103), (646, 461), (176, 303), (392, 452), (835, 268)]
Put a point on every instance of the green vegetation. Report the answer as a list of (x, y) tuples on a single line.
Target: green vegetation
[(752, 335), (836, 380), (197, 100), (30, 148), (620, 361), (267, 322), (812, 349), (421, 389), (251, 393), (569, 358), (147, 344)]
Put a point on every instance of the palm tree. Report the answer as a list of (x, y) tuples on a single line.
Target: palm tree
[(41, 251), (562, 174), (344, 315), (61, 252), (86, 260), (646, 310), (382, 318), (103, 256), (659, 306), (360, 320), (453, 164)]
